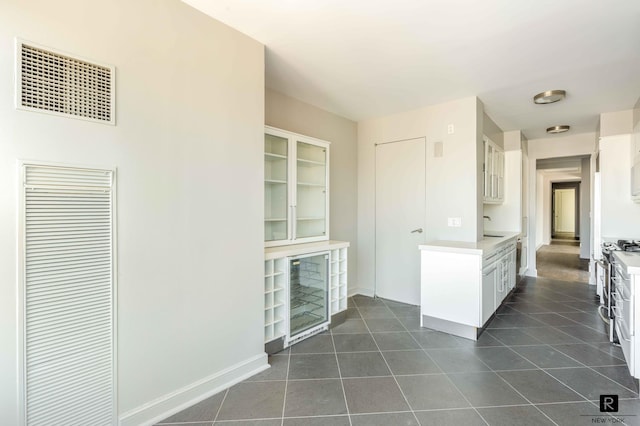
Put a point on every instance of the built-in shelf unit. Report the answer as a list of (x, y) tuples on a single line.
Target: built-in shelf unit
[(283, 273), (296, 201)]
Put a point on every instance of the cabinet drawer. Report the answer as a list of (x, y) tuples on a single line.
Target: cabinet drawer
[(625, 344)]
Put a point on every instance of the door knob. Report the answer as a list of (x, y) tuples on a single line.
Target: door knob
[(419, 231)]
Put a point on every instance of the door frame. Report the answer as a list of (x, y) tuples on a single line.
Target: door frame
[(375, 196), (566, 185)]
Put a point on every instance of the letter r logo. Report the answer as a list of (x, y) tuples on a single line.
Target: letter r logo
[(608, 403)]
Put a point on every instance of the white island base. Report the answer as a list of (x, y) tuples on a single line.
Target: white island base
[(462, 284)]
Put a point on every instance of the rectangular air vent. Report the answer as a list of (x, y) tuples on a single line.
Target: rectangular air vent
[(56, 83)]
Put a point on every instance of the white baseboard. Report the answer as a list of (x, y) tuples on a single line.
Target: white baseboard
[(365, 291), (174, 402), (523, 271)]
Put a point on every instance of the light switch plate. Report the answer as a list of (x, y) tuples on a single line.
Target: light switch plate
[(454, 222)]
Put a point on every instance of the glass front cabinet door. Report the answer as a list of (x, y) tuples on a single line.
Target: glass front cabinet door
[(296, 188)]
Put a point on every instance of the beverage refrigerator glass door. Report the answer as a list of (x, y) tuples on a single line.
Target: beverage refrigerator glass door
[(308, 294)]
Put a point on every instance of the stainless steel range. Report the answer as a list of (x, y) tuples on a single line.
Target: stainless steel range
[(605, 277)]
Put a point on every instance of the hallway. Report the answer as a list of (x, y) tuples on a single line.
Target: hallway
[(562, 261)]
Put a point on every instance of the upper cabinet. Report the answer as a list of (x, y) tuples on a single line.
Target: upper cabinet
[(493, 172), (296, 187)]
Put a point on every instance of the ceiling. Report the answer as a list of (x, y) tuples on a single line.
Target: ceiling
[(363, 59)]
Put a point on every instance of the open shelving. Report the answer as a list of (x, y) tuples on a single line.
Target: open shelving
[(338, 280), (275, 299)]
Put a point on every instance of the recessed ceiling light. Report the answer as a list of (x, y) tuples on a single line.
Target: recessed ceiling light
[(558, 129), (549, 97)]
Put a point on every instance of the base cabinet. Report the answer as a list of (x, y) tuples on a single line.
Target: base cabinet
[(489, 283), (625, 312), (462, 287), (304, 285)]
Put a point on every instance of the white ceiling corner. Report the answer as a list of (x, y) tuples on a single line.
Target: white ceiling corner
[(362, 59)]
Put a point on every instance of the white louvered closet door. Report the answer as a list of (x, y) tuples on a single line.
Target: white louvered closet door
[(68, 298)]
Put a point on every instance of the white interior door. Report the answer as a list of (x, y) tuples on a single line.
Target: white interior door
[(400, 219), (565, 214)]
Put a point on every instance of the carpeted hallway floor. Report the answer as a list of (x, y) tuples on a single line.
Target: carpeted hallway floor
[(562, 262)]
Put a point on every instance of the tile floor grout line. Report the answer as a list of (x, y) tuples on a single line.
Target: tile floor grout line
[(446, 377), (513, 387), (501, 378), (418, 343), (344, 393), (226, 392), (286, 385), (387, 364), (614, 381)]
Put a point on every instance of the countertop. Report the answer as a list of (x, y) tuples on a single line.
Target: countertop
[(477, 247), (630, 260), (296, 249)]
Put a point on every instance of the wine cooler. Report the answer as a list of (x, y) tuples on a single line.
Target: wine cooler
[(308, 295)]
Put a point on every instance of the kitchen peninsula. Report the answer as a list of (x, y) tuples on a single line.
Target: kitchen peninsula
[(464, 283)]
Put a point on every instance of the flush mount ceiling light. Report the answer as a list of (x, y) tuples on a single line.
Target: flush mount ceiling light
[(558, 129), (549, 97)]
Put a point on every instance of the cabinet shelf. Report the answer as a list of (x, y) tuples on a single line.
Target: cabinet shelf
[(277, 305), (275, 219), (274, 157), (318, 185), (310, 163), (275, 181), (275, 321), (310, 218)]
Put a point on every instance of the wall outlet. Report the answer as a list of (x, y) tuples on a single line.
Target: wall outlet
[(454, 222), (450, 129)]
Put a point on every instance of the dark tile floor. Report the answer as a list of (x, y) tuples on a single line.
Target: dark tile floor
[(543, 360)]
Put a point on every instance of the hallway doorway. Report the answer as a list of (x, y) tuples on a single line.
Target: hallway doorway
[(561, 218), (560, 258), (565, 211)]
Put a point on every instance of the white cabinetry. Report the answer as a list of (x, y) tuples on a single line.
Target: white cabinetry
[(463, 283), (489, 284), (498, 270), (626, 277), (277, 283), (493, 172), (296, 187)]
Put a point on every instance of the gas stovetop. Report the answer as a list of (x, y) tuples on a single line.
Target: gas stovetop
[(621, 245)]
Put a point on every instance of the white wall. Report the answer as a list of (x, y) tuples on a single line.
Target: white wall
[(616, 123), (452, 180), (540, 211), (524, 265), (188, 149), (558, 146), (620, 215), (291, 114), (585, 209)]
